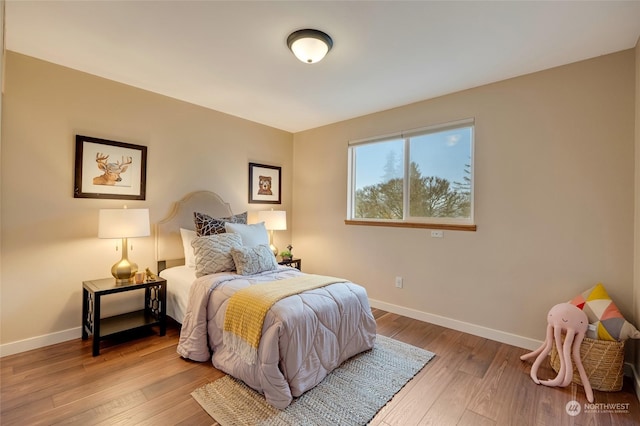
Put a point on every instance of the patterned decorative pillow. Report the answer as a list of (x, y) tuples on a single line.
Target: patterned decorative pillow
[(207, 225), (252, 235), (601, 311), (253, 260), (213, 253)]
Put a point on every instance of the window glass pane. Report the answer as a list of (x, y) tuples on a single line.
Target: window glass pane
[(440, 180), (378, 180)]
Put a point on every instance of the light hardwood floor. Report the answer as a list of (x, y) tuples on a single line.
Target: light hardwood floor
[(471, 381)]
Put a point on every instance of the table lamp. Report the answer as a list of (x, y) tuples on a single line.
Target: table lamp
[(274, 220), (123, 223)]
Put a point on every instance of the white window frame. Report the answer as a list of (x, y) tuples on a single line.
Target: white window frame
[(409, 221)]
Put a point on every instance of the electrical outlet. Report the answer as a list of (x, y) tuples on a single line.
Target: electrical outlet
[(437, 234), (398, 282)]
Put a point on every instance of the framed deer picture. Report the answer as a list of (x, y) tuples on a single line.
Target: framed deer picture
[(110, 169)]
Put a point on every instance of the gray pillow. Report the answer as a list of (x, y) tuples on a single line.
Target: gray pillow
[(213, 253), (253, 260)]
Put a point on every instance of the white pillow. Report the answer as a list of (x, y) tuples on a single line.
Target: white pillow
[(189, 256), (252, 235)]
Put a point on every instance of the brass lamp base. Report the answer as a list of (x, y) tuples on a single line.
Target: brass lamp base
[(124, 270), (273, 248)]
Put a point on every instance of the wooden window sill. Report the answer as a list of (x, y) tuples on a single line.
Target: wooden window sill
[(451, 227)]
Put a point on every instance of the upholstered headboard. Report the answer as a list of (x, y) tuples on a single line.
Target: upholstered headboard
[(169, 249)]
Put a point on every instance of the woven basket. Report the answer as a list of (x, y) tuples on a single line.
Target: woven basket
[(602, 360)]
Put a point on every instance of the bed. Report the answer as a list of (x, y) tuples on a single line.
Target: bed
[(303, 337)]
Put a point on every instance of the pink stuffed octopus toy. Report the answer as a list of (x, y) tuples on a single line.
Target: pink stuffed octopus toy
[(563, 317)]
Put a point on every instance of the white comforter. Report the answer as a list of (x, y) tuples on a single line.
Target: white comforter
[(304, 337)]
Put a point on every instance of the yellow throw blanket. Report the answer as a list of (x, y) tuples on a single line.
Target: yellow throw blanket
[(248, 307)]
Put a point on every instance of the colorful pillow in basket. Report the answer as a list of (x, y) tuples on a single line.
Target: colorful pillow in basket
[(601, 311)]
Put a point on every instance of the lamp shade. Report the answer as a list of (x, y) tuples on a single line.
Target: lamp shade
[(274, 220), (310, 46), (123, 223)]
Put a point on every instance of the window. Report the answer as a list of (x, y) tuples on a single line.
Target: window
[(421, 177)]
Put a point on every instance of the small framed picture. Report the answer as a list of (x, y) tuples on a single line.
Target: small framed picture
[(109, 169), (264, 184)]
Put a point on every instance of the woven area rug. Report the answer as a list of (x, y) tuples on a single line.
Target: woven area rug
[(351, 395)]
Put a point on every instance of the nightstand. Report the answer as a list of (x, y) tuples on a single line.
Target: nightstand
[(294, 263), (154, 312)]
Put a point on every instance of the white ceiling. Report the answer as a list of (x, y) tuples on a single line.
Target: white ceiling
[(232, 56)]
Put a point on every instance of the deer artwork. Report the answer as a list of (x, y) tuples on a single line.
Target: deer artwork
[(111, 171)]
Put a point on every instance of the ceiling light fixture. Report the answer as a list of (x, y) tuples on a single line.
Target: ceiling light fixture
[(310, 46)]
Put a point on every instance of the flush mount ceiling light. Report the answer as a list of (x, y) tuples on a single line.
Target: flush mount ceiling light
[(310, 46)]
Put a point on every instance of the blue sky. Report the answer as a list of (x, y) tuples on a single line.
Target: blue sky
[(443, 154)]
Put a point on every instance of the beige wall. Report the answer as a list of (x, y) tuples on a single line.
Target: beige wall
[(2, 55), (554, 189), (554, 176), (49, 238)]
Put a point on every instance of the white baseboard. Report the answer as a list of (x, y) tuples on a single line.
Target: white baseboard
[(40, 341), (500, 336), (476, 330)]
